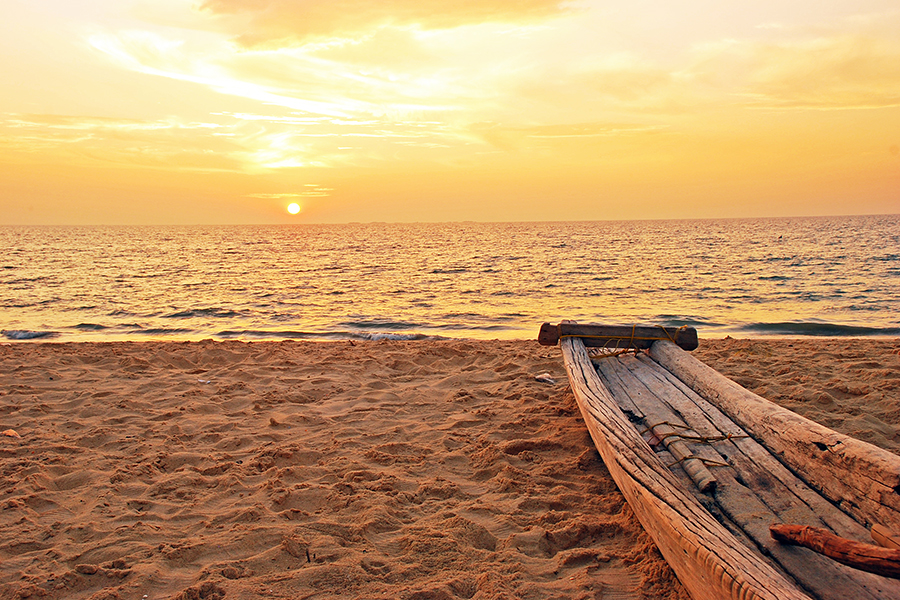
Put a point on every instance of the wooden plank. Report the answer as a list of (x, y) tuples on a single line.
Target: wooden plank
[(740, 450), (863, 479), (618, 336), (707, 559), (606, 369), (669, 429), (780, 498), (754, 499)]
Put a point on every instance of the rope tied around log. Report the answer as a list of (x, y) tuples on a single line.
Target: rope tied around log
[(703, 439), (664, 440), (606, 352), (630, 340), (706, 461)]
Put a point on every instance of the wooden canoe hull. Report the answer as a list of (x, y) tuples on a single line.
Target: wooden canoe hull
[(714, 525), (709, 561)]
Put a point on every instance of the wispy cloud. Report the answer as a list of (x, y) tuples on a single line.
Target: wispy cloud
[(168, 144), (290, 22), (840, 71), (311, 190), (152, 54), (844, 72)]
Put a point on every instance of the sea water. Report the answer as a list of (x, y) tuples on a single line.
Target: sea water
[(803, 276)]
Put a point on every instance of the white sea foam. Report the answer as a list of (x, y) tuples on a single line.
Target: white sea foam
[(18, 334)]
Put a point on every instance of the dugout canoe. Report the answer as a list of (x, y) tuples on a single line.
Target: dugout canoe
[(713, 472)]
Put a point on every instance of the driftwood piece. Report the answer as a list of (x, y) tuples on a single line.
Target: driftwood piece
[(617, 336), (863, 479), (708, 560), (866, 557)]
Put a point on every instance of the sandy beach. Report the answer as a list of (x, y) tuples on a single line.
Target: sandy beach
[(415, 470)]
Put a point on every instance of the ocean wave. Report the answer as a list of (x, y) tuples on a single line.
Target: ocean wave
[(682, 320), (90, 327), (469, 327), (22, 334), (818, 329), (163, 331), (204, 312), (450, 271), (324, 335), (381, 324), (395, 336)]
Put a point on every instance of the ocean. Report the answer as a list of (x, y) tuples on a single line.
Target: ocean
[(829, 276)]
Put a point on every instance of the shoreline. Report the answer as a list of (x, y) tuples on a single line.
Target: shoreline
[(377, 469), (413, 338)]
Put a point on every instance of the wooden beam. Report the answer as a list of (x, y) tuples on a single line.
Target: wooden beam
[(618, 336)]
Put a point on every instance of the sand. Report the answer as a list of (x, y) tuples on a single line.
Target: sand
[(413, 470)]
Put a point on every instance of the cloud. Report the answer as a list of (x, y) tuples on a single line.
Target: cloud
[(386, 47), (847, 71), (152, 54), (515, 139), (169, 143), (850, 71), (312, 191), (294, 22)]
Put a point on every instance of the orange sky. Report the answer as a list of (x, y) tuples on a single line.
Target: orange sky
[(227, 111)]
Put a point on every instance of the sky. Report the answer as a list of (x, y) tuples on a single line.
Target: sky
[(228, 111)]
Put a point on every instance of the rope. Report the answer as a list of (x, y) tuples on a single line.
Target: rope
[(705, 461), (693, 438), (612, 353), (633, 337)]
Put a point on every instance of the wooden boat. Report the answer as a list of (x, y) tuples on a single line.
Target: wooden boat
[(708, 467)]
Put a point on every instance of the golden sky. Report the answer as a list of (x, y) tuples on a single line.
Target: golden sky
[(227, 111)]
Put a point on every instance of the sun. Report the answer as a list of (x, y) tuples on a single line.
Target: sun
[(293, 208)]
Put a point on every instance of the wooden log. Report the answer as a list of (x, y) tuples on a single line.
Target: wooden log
[(861, 478), (709, 561), (865, 557), (618, 336)]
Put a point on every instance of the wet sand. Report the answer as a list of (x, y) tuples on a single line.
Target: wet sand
[(414, 470)]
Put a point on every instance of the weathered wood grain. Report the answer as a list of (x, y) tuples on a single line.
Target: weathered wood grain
[(863, 479), (709, 561), (745, 450), (617, 336), (752, 498), (866, 557), (885, 537)]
